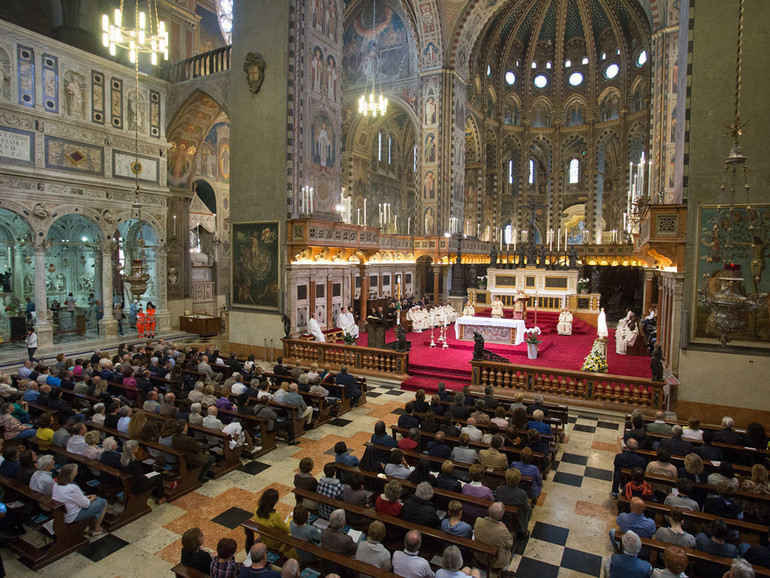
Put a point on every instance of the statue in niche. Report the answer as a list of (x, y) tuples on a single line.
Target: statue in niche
[(61, 281), (172, 275), (136, 107), (85, 284), (429, 221), (29, 282), (75, 89)]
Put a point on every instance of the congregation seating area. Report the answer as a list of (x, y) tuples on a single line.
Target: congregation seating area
[(466, 457)]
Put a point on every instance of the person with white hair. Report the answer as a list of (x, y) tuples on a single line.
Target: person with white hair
[(42, 480), (290, 569), (627, 564), (740, 568), (196, 395), (195, 416), (335, 539), (492, 530), (295, 399), (727, 435), (452, 565)]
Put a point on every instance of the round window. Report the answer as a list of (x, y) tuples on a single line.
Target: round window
[(489, 70), (541, 81), (575, 79), (611, 71), (510, 78)]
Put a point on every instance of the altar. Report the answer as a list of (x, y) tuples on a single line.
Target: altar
[(493, 330)]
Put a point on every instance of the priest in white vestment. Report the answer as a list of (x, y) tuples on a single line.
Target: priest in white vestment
[(315, 330), (601, 329), (469, 310), (626, 333), (347, 323), (564, 327), (497, 308)]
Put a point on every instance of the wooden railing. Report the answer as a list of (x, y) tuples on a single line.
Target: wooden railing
[(599, 389), (199, 65), (362, 359)]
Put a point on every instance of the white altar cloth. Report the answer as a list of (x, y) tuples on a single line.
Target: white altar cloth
[(517, 324)]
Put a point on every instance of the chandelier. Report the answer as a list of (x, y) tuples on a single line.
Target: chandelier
[(147, 34), (370, 102), (724, 292)]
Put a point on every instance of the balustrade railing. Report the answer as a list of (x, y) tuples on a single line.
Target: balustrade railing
[(602, 389), (372, 361), (211, 62)]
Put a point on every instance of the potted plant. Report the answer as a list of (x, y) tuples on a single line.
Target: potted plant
[(532, 342), (584, 284), (348, 338), (482, 281)]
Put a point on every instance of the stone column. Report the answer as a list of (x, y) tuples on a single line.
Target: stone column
[(18, 273), (436, 281), (329, 305), (649, 276), (42, 326), (364, 295), (109, 325), (311, 303), (162, 315)]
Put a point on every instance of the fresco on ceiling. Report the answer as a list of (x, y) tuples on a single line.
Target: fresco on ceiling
[(382, 53)]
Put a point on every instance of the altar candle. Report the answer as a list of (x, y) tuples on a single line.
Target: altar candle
[(395, 225), (426, 225), (358, 216), (409, 226), (515, 233), (312, 200), (501, 241), (550, 241)]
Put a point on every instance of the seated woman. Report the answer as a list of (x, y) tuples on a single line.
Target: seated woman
[(301, 530), (224, 564), (92, 450), (44, 435), (141, 482), (371, 550), (79, 505), (452, 565), (388, 502), (397, 466), (12, 427), (267, 516), (193, 554), (527, 468), (477, 490)]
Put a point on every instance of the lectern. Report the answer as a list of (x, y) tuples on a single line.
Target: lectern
[(375, 328)]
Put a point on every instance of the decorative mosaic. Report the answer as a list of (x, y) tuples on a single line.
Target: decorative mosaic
[(97, 97), (67, 155), (154, 114), (25, 69), (50, 83), (116, 102)]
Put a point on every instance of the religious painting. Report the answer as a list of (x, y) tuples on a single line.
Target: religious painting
[(382, 51), (256, 264), (429, 186), (224, 161), (430, 56), (430, 110), (180, 163), (430, 148), (323, 141), (332, 78), (317, 70), (732, 244)]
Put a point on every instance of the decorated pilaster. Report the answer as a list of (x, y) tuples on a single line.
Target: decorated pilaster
[(42, 326), (109, 325), (162, 315)]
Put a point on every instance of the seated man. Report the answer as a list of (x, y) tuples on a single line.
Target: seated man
[(315, 330), (492, 531), (347, 323), (408, 562), (635, 520), (469, 310), (351, 385), (564, 327), (627, 564), (497, 308)]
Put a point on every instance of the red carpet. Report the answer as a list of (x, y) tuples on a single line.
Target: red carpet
[(428, 366)]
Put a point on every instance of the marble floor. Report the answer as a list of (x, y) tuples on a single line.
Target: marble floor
[(568, 528)]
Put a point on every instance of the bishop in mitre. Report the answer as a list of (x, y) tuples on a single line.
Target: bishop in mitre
[(497, 308), (469, 310), (564, 327)]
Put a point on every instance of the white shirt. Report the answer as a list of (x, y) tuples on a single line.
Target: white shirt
[(31, 340), (411, 565), (473, 432), (213, 422), (42, 481), (73, 498), (76, 444), (123, 424), (238, 389)]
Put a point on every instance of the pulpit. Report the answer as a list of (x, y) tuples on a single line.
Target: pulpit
[(375, 329)]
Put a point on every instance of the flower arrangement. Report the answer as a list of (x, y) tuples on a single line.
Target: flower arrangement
[(482, 281), (532, 336), (348, 338), (596, 361), (584, 284)]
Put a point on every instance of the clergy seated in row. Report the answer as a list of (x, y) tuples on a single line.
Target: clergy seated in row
[(564, 327), (347, 323), (469, 310), (497, 308)]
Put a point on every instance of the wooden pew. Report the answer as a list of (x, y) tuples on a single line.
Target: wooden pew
[(696, 557), (512, 453), (373, 480), (232, 457), (252, 528), (188, 478), (557, 425), (550, 438), (754, 532), (35, 409), (67, 537), (256, 426), (678, 461), (403, 526), (182, 571), (135, 505)]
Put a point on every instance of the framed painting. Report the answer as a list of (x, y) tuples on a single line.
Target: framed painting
[(256, 265), (733, 244)]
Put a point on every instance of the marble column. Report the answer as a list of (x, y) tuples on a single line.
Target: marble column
[(162, 315), (109, 325), (18, 273), (42, 326), (364, 295), (436, 284)]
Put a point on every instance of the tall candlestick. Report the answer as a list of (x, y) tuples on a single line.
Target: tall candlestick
[(358, 216), (409, 226), (550, 241), (395, 225)]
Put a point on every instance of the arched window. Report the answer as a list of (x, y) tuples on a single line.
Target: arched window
[(510, 172), (225, 14), (531, 171), (414, 158), (508, 234), (390, 149), (574, 172), (379, 147)]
